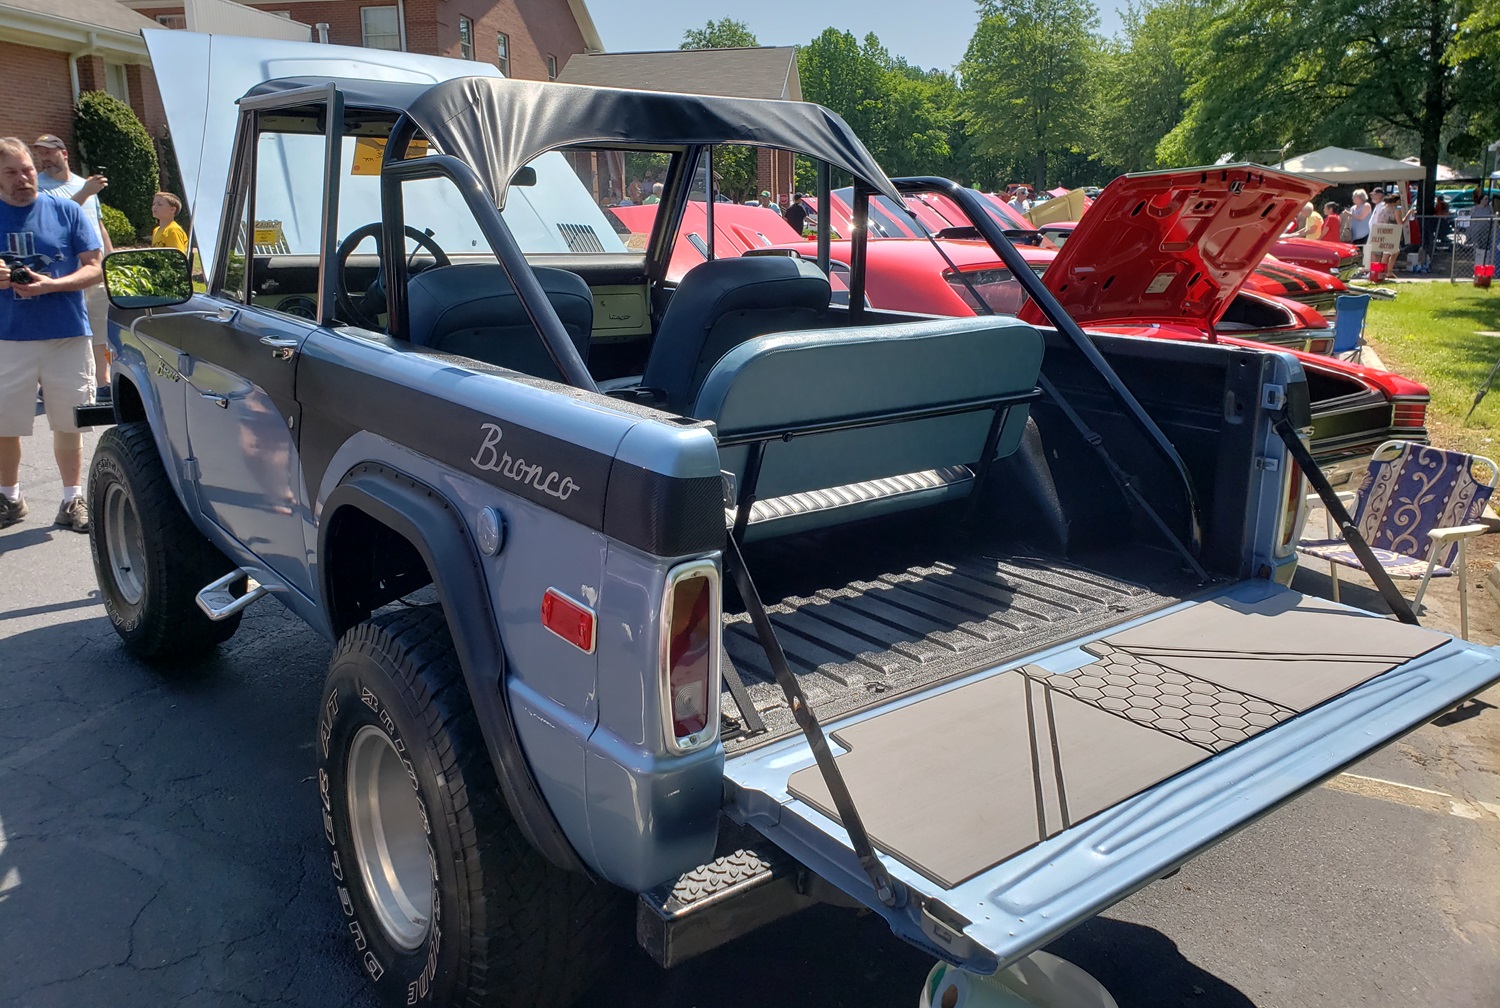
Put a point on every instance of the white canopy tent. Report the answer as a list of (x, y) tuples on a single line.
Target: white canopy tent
[(1338, 166), (1444, 173)]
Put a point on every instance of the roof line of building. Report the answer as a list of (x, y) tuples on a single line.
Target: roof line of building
[(54, 31)]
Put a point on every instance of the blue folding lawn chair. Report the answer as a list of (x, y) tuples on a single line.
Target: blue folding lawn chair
[(1349, 326)]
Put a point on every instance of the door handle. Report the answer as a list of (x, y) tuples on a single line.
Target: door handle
[(282, 347), (220, 401)]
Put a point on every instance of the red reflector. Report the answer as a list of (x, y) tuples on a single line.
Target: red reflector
[(570, 620)]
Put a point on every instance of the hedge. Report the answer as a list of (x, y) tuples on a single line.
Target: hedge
[(122, 233), (110, 136)]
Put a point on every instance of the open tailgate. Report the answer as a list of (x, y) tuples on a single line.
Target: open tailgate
[(1018, 802)]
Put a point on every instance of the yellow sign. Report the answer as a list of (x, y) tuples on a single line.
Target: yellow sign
[(268, 235), (370, 151)]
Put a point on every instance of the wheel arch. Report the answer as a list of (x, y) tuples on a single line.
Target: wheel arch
[(405, 514), (129, 406)]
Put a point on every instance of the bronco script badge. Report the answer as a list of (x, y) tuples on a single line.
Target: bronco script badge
[(489, 458)]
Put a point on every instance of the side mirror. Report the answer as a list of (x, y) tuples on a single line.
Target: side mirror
[(147, 278), (524, 177)]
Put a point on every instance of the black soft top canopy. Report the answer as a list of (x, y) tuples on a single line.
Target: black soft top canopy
[(497, 126)]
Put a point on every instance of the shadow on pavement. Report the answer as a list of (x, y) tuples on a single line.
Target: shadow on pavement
[(1143, 968), (159, 834)]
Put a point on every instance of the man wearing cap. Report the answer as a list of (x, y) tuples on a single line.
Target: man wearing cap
[(44, 330), (54, 176), (767, 203)]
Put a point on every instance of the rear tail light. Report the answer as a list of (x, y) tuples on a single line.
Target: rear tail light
[(690, 627), (1409, 413), (1293, 505)]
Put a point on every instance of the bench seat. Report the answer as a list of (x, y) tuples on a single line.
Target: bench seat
[(824, 427)]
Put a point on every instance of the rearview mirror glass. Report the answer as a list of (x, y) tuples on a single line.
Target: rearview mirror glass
[(524, 177), (147, 278)]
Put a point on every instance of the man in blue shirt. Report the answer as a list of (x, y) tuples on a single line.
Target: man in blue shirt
[(44, 329)]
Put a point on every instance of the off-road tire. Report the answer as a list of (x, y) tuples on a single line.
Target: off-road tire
[(136, 516), (504, 927)]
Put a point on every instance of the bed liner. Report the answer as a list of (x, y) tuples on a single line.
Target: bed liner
[(910, 607)]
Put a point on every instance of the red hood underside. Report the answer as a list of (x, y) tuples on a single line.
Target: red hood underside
[(1172, 246)]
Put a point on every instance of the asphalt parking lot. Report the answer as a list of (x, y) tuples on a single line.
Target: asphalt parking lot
[(160, 844)]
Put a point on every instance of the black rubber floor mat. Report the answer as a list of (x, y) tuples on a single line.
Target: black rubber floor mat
[(959, 782)]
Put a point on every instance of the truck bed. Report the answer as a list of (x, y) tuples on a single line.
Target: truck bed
[(902, 603)]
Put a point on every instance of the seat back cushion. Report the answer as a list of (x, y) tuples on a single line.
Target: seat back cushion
[(780, 382), (721, 304), (471, 310)]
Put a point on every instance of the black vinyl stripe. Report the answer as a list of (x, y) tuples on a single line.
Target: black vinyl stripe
[(662, 515)]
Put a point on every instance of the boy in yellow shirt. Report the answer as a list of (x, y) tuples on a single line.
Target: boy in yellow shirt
[(167, 234)]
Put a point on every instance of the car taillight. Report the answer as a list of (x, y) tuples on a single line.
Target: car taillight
[(690, 626), (1293, 505), (1409, 413)]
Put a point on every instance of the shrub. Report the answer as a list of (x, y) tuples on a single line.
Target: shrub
[(122, 233), (109, 134)]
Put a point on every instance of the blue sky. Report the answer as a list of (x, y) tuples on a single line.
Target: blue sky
[(929, 33)]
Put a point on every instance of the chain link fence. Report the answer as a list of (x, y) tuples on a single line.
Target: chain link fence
[(1446, 246), (1471, 242)]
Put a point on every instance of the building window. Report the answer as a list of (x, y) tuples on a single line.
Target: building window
[(115, 81), (551, 67), (502, 53), (379, 28), (178, 21), (466, 38)]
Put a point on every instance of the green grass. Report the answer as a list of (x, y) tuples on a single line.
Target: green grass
[(1430, 333)]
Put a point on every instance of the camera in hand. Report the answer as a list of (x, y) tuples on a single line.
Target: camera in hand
[(21, 267)]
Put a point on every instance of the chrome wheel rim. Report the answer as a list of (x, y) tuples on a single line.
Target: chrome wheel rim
[(390, 841), (125, 551)]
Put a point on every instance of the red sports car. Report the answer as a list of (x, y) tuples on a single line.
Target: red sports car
[(1354, 407)]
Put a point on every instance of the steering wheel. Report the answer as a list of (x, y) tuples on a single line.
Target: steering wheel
[(365, 312)]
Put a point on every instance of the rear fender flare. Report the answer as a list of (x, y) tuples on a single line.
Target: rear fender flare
[(437, 531)]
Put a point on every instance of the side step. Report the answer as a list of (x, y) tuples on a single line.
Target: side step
[(725, 899), (219, 602)]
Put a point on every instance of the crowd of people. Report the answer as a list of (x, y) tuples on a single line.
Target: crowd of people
[(53, 356), (1386, 227)]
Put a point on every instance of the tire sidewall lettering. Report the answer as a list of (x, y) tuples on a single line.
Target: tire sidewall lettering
[(338, 721)]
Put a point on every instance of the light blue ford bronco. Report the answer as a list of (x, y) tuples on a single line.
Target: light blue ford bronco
[(672, 593)]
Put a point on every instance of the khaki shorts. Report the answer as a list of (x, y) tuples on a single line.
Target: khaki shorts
[(65, 370), (98, 305)]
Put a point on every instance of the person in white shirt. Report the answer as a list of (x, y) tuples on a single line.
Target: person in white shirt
[(53, 175)]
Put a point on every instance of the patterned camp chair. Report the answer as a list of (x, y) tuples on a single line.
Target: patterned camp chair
[(1415, 507)]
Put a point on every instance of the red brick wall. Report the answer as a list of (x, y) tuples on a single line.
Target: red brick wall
[(536, 28), (42, 76)]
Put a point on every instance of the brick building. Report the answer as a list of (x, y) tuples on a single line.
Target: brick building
[(531, 39), (52, 51)]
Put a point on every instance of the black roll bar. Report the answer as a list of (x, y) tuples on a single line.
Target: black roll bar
[(972, 203), (397, 169)]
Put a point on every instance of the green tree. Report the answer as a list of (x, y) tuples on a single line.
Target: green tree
[(1141, 81), (1026, 79), (1300, 74), (725, 33), (904, 114)]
